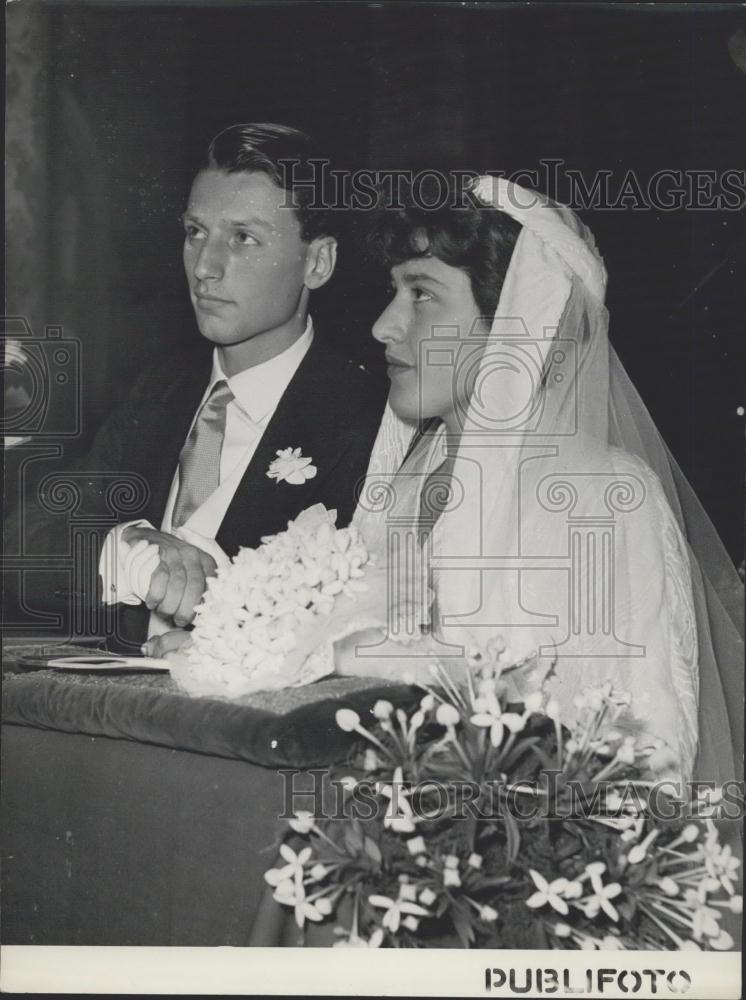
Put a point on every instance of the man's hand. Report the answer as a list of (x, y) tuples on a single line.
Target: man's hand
[(168, 643), (179, 582)]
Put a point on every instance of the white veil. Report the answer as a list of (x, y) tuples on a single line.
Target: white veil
[(571, 529)]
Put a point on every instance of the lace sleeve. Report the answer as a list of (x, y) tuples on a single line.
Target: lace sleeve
[(682, 628), (653, 610)]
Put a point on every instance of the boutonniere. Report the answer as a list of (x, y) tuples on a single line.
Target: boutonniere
[(291, 467)]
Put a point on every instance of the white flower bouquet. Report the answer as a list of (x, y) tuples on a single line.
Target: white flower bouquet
[(266, 621), (470, 821)]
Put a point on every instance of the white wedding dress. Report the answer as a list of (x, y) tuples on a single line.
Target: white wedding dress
[(654, 606)]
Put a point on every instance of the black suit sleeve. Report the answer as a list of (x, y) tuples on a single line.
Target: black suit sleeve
[(60, 516)]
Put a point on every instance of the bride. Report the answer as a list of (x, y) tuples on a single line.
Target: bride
[(519, 493), (517, 456)]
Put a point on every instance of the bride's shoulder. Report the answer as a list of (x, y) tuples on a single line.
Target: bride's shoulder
[(593, 456), (611, 481), (650, 485), (650, 512), (587, 456)]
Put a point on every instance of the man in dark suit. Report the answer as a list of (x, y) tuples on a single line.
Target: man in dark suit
[(206, 436)]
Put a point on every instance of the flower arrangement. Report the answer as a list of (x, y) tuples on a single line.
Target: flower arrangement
[(529, 863), (245, 636)]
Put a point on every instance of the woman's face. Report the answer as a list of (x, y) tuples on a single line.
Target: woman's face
[(431, 327)]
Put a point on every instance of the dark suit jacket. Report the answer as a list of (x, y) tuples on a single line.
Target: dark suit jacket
[(331, 410)]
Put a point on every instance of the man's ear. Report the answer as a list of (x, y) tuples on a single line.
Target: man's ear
[(321, 261)]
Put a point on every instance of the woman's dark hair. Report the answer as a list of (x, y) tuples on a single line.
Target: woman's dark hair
[(289, 157), (458, 229)]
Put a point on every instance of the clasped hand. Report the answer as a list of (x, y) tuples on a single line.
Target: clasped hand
[(180, 580), (171, 643)]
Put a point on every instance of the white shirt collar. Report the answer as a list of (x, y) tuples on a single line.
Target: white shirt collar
[(258, 390)]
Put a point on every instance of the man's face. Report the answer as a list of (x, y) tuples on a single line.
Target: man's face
[(427, 329), (244, 257)]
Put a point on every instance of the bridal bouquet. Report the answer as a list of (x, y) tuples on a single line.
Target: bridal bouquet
[(265, 621), (471, 820)]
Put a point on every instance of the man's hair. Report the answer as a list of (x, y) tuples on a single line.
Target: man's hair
[(459, 230), (285, 155)]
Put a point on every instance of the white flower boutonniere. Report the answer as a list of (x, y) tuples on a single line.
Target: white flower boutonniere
[(291, 467)]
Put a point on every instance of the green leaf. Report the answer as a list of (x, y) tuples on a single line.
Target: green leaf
[(572, 847), (493, 883), (463, 927), (520, 748), (540, 936), (513, 836), (627, 909), (548, 761), (353, 837), (372, 850)]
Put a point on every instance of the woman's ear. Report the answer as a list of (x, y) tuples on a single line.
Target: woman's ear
[(321, 261)]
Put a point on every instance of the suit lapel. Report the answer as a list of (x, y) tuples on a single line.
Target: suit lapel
[(305, 418)]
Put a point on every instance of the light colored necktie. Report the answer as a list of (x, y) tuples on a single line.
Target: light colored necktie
[(199, 461)]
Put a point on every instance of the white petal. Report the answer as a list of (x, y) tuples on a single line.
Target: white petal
[(540, 881), (482, 719), (538, 899), (383, 901)]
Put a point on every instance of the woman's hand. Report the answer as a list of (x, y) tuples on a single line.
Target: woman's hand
[(394, 662), (160, 646), (180, 580)]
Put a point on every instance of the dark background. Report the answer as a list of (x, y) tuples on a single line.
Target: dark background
[(116, 102)]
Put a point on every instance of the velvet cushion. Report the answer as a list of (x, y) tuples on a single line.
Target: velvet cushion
[(291, 728)]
